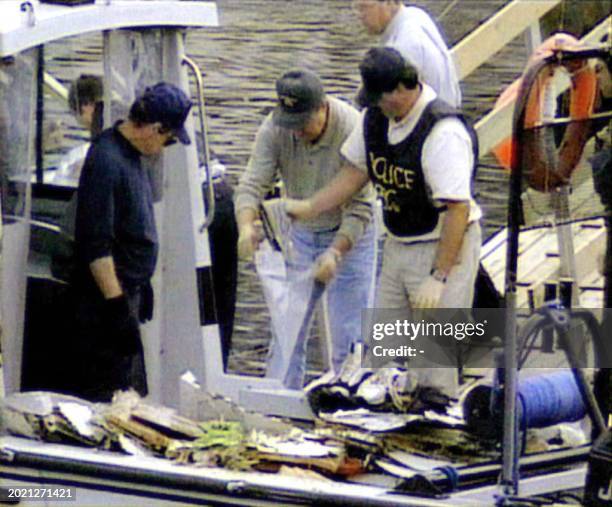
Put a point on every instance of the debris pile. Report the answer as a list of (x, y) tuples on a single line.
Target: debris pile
[(52, 418), (390, 390), (130, 425), (357, 444)]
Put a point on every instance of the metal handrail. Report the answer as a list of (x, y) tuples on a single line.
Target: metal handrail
[(210, 201)]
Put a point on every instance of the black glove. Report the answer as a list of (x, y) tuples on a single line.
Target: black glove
[(121, 326), (147, 301)]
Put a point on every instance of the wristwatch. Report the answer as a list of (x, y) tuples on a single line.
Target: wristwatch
[(438, 275)]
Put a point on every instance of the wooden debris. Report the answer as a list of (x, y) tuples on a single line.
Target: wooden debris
[(152, 438), (330, 464), (298, 449), (167, 421)]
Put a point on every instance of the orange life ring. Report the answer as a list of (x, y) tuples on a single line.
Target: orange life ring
[(551, 166)]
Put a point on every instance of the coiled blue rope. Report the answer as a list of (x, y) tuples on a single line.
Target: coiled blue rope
[(549, 399), (452, 476), (543, 400)]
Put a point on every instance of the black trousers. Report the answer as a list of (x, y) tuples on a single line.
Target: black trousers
[(223, 236), (99, 368)]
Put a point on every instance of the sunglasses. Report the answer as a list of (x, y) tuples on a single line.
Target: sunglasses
[(172, 139)]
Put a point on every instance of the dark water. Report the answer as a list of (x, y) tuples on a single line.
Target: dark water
[(258, 40)]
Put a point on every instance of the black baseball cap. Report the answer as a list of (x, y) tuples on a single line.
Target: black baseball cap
[(169, 105), (382, 69), (300, 92)]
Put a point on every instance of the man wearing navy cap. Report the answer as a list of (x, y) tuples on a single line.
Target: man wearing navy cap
[(116, 243), (300, 142)]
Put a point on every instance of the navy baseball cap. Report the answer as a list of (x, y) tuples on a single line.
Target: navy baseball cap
[(300, 92), (168, 105), (382, 69)]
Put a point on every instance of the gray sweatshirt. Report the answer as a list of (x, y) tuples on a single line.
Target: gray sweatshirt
[(305, 168)]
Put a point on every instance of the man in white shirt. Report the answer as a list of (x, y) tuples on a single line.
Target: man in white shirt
[(416, 36), (420, 155)]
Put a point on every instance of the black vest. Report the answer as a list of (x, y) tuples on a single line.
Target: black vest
[(396, 171)]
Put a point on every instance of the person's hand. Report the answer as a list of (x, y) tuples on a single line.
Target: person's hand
[(428, 294), (122, 327), (326, 265), (299, 209), (249, 237)]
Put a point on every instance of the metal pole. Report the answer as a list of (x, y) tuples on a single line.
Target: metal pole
[(40, 114), (210, 211), (510, 451)]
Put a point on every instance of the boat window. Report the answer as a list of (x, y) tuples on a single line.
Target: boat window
[(17, 97), (65, 135), (134, 59)]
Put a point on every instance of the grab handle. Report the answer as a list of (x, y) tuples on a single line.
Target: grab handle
[(210, 198)]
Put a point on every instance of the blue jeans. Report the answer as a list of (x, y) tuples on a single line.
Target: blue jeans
[(350, 291)]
